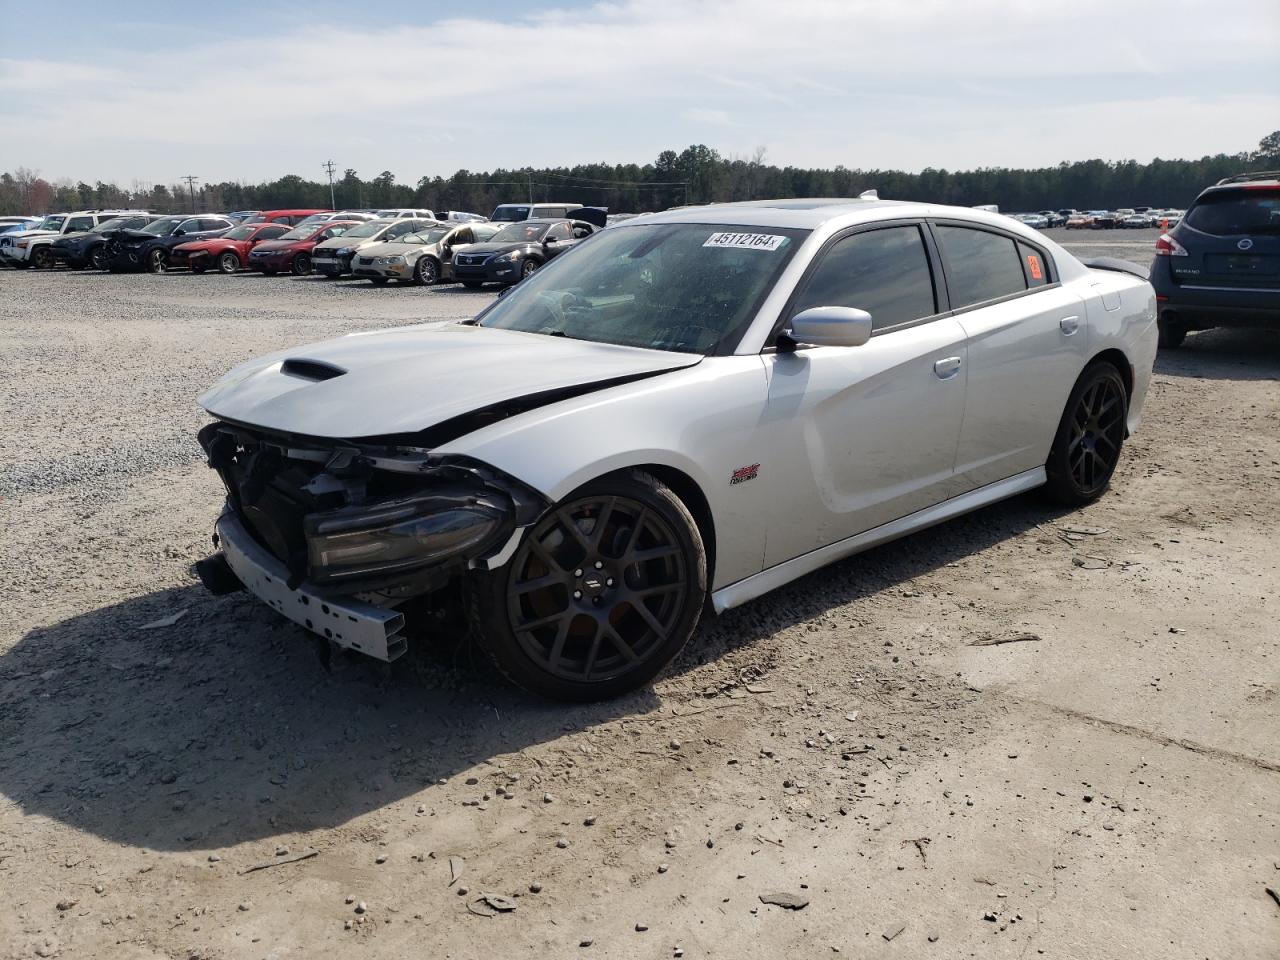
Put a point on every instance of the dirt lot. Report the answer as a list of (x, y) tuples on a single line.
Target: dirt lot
[(1111, 789)]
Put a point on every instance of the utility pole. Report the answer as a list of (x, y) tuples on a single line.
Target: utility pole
[(191, 189), (328, 165)]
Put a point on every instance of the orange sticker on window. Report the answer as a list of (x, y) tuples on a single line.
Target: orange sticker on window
[(1033, 264)]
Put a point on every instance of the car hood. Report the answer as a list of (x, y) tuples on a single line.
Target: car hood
[(210, 243), (411, 378), (275, 246), (491, 249), (394, 249), (135, 236), (337, 243), (24, 234)]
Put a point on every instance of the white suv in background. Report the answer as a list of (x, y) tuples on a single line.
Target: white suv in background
[(28, 248)]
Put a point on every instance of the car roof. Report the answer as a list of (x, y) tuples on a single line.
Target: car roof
[(806, 213)]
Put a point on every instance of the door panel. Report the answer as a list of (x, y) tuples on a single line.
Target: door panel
[(865, 434), (1024, 356)]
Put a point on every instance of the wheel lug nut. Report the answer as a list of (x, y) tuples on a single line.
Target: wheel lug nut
[(599, 564), (577, 594), (609, 582), (595, 601), (577, 573)]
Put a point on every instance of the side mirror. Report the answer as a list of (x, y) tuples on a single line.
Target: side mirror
[(831, 327), (179, 233), (550, 242)]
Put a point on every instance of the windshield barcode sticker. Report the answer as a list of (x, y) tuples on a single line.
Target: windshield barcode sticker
[(745, 241)]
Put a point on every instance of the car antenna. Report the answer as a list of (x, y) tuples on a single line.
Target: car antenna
[(869, 195)]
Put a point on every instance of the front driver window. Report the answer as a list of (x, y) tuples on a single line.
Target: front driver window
[(884, 272)]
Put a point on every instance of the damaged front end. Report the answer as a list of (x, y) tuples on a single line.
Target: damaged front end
[(313, 526)]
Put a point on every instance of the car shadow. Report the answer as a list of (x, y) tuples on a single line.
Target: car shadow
[(223, 726), (1224, 353)]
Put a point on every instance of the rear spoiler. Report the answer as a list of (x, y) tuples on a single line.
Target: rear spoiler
[(1115, 265)]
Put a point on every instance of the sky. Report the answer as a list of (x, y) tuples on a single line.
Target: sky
[(141, 90)]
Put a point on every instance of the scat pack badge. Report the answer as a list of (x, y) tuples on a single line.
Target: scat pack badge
[(743, 474)]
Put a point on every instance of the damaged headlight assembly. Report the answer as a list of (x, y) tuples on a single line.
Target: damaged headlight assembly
[(388, 537)]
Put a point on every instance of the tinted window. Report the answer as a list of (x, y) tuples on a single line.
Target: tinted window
[(271, 233), (581, 230), (1034, 265), (1229, 212), (552, 212), (79, 224), (980, 265), (885, 272)]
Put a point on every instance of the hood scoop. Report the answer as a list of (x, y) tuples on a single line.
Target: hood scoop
[(313, 370)]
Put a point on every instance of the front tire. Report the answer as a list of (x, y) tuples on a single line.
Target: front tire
[(157, 261), (300, 265), (1090, 435), (42, 258), (426, 272), (98, 258), (228, 262), (602, 593)]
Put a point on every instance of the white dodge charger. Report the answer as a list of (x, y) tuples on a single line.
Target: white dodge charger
[(684, 412)]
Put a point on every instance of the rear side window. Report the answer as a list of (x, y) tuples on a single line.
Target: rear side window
[(1226, 213), (80, 223), (559, 231), (980, 265), (270, 233), (884, 272)]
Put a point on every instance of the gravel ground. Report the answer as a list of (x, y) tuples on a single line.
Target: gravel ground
[(1109, 789)]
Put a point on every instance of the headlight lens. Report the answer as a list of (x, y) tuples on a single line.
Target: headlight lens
[(369, 541), (344, 251), (506, 257), (22, 243)]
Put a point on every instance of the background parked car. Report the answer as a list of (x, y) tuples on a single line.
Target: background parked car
[(290, 217), (1053, 218), (399, 213), (423, 257), (30, 248), (332, 258), (148, 248), (14, 224), (515, 212), (459, 216), (88, 249), (346, 215), (517, 250), (227, 252), (292, 251), (1080, 221), (1221, 265)]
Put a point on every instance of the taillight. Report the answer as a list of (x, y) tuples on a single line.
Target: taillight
[(1166, 246)]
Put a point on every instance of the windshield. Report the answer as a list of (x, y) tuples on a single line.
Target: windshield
[(50, 223), (115, 223), (370, 229), (243, 232), (424, 236), (162, 227), (675, 286), (1229, 212), (301, 232), (521, 233), (510, 213)]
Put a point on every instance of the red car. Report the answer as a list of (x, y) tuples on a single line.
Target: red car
[(293, 250), (227, 252), (291, 217)]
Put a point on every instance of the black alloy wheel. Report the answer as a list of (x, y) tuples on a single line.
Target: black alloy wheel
[(426, 271), (158, 261), (98, 257), (1087, 446), (42, 258), (528, 268), (601, 594), (228, 262), (300, 265), (1171, 332)]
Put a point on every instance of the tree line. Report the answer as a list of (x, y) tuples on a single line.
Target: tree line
[(698, 174)]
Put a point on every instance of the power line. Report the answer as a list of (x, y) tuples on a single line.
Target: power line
[(191, 189), (328, 166)]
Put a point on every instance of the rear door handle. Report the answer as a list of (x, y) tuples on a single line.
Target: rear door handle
[(947, 368), (1069, 325)]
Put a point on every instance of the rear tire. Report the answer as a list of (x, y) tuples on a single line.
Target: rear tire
[(616, 546), (1090, 435), (1172, 333)]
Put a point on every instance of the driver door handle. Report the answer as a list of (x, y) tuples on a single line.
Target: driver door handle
[(1069, 325), (947, 368)]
